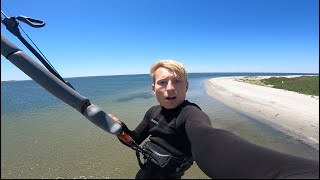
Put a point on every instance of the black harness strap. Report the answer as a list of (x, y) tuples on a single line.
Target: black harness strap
[(142, 166)]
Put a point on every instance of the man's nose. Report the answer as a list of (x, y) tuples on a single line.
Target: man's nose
[(170, 86)]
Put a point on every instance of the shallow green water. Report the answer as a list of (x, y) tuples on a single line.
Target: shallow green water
[(41, 137)]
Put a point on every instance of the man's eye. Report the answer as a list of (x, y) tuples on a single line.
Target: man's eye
[(176, 81), (163, 82)]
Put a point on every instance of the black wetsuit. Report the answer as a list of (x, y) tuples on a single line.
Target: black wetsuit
[(167, 129), (186, 130)]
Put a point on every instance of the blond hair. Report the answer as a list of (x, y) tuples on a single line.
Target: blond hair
[(175, 67)]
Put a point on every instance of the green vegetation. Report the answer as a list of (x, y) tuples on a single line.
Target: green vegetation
[(305, 84), (251, 80)]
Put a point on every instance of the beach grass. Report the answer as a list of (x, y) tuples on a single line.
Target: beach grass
[(305, 84)]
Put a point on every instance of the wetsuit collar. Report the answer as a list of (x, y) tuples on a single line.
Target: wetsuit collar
[(174, 110)]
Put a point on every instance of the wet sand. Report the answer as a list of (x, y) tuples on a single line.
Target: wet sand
[(295, 114)]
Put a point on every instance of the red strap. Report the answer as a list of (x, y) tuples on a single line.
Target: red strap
[(125, 137)]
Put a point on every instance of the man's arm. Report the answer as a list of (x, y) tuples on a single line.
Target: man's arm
[(222, 154), (140, 133)]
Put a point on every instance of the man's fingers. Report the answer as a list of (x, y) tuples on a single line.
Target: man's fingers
[(115, 118)]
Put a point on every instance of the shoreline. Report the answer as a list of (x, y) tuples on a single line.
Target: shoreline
[(294, 114)]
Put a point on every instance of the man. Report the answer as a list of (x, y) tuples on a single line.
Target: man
[(170, 122), (179, 130)]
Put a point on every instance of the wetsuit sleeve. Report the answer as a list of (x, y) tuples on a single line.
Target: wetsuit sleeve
[(141, 132), (222, 154)]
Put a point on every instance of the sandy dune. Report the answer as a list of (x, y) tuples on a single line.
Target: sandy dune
[(292, 113)]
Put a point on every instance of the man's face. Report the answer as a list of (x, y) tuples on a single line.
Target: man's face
[(170, 90)]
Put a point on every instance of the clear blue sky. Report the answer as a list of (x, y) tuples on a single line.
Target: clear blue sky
[(112, 37)]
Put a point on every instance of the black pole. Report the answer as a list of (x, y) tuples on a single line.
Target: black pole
[(58, 88)]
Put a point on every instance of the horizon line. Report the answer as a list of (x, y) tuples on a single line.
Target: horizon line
[(149, 74)]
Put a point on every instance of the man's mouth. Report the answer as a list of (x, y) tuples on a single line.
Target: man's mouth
[(170, 98)]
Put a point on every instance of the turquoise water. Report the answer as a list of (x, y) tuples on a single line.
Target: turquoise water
[(42, 137)]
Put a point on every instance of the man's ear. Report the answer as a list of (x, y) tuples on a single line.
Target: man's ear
[(153, 88), (187, 86)]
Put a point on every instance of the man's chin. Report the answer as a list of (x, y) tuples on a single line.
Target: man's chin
[(170, 105)]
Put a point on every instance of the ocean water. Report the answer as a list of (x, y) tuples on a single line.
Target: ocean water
[(42, 137)]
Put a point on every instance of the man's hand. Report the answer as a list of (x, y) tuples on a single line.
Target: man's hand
[(122, 136), (116, 119)]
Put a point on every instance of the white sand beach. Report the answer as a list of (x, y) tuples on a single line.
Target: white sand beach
[(295, 114)]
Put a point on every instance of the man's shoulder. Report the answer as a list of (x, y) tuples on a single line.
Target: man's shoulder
[(154, 108), (193, 113), (192, 110), (191, 105)]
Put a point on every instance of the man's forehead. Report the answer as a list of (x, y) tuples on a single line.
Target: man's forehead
[(164, 73), (167, 77)]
